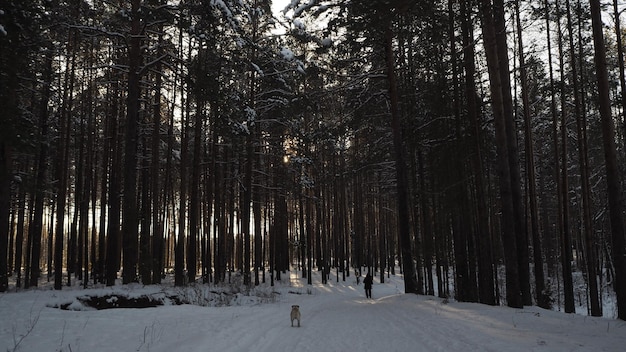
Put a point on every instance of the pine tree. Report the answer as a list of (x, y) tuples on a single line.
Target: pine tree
[(610, 155)]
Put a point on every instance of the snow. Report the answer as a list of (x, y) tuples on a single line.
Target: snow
[(223, 7), (287, 54), (298, 24), (258, 70), (288, 7), (300, 68), (335, 317)]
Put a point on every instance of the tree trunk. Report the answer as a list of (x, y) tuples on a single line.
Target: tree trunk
[(508, 228), (5, 204), (404, 231), (179, 248), (62, 161), (112, 264), (590, 237), (130, 213), (610, 156), (88, 189), (620, 64), (514, 164), (566, 246), (19, 238), (194, 204), (75, 245), (486, 289), (542, 299), (551, 254), (256, 207), (427, 227), (145, 250), (36, 227), (594, 298), (104, 188)]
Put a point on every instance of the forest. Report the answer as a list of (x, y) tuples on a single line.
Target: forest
[(476, 146)]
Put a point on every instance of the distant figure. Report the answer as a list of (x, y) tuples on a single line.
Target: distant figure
[(358, 277), (368, 285), (295, 314)]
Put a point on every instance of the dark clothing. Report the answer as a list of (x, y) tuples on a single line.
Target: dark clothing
[(368, 285)]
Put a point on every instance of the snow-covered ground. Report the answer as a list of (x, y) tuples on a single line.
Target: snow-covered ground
[(335, 317)]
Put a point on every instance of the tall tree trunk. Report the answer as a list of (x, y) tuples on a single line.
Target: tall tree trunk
[(310, 236), (612, 167), (104, 188), (427, 227), (157, 199), (555, 139), (542, 299), (220, 220), (404, 231), (112, 264), (620, 64), (36, 227), (179, 247), (75, 244), (194, 204), (88, 188), (566, 246), (508, 228), (19, 238), (87, 185), (5, 204), (145, 240), (486, 289), (514, 164), (590, 237), (256, 208), (465, 271), (179, 251), (62, 160), (594, 297), (169, 216), (130, 213)]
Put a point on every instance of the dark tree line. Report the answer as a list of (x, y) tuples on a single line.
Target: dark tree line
[(467, 143)]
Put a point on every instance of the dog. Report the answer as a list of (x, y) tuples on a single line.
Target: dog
[(295, 314)]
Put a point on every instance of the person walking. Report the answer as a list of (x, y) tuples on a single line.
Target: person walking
[(368, 285)]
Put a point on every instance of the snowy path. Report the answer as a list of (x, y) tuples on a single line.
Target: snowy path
[(335, 317)]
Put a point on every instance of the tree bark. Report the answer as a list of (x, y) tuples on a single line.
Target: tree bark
[(594, 297), (566, 246), (542, 299), (404, 231), (36, 227), (62, 161), (590, 237), (5, 203), (194, 201), (620, 65), (157, 199), (610, 155), (508, 228), (521, 236), (130, 213), (112, 264), (486, 288)]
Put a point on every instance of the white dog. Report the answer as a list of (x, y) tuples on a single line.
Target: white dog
[(295, 314)]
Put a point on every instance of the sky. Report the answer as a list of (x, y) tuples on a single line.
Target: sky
[(335, 317)]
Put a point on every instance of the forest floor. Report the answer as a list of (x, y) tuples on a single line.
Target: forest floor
[(335, 317)]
